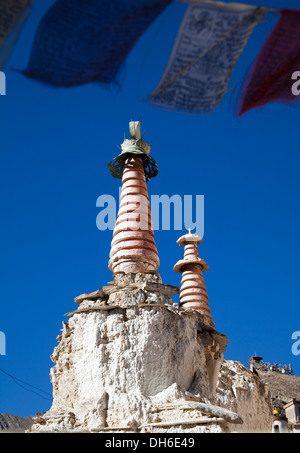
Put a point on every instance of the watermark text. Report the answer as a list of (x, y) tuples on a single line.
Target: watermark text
[(2, 343), (296, 344), (296, 85), (2, 84), (167, 213)]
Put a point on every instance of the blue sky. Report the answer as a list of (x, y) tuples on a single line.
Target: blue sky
[(55, 146)]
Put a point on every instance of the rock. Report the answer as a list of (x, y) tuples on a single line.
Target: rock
[(99, 294), (241, 391), (283, 387), (204, 408)]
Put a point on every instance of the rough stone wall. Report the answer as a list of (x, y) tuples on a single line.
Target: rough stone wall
[(127, 351), (113, 367), (128, 359), (241, 391)]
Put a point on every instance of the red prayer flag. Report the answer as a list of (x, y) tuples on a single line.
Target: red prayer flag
[(270, 79)]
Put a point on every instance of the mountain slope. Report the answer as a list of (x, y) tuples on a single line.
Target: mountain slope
[(14, 423), (283, 387)]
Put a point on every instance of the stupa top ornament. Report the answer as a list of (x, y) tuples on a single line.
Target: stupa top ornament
[(190, 242), (189, 237), (135, 145)]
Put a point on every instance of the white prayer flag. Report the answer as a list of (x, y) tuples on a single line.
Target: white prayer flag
[(208, 44)]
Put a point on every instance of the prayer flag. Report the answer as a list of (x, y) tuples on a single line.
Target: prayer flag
[(82, 41), (270, 79), (13, 14), (207, 46)]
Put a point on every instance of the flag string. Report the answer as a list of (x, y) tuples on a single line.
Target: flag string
[(241, 5)]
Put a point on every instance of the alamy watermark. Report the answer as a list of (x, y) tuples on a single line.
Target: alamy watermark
[(296, 85), (176, 212), (2, 343), (296, 345), (2, 84)]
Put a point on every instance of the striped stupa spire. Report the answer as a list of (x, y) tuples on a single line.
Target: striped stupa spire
[(193, 292), (133, 247)]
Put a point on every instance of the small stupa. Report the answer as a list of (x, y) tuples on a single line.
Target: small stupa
[(193, 291)]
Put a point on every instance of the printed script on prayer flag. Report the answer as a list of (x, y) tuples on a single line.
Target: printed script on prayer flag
[(207, 47)]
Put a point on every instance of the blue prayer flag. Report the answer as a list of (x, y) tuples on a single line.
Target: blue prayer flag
[(13, 14), (83, 41)]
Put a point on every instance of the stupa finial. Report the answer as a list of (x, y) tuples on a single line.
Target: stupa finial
[(134, 145)]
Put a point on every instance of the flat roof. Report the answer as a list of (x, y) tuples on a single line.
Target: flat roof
[(293, 402)]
